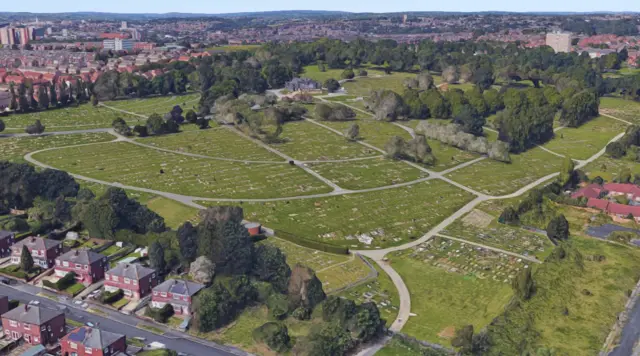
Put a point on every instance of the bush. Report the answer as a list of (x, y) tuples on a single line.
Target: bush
[(110, 297), (161, 315), (274, 335), (62, 283), (302, 313), (278, 306), (13, 303)]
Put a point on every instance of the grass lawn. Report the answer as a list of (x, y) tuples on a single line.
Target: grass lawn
[(390, 216), (399, 347), (471, 227), (312, 72), (75, 324), (364, 86), (159, 352), (134, 342), (80, 118), (158, 105), (182, 174), (342, 275), (498, 178), (150, 328), (623, 109), (111, 250), (306, 141), (444, 300), (15, 148), (584, 141), (609, 168), (215, 142), (376, 133), (75, 288), (380, 290), (369, 173), (173, 212), (16, 271), (120, 303), (574, 307)]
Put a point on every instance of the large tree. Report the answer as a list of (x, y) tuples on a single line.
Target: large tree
[(558, 228), (156, 257), (188, 242), (26, 260)]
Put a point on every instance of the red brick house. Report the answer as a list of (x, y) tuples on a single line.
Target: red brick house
[(34, 324), (44, 251), (178, 293), (136, 281), (6, 240), (88, 266), (86, 341)]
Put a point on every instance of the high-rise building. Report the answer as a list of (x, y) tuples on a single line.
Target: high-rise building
[(118, 44), (19, 35), (559, 41), (123, 25)]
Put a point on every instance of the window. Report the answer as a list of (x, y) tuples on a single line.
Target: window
[(36, 340), (43, 328), (26, 326), (127, 281), (135, 283), (86, 267), (114, 278), (177, 297), (106, 277), (73, 345), (163, 294), (155, 293), (13, 323), (88, 350), (65, 263), (78, 266), (58, 262)]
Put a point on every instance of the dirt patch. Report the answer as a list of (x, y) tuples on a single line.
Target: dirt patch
[(447, 333), (477, 218)]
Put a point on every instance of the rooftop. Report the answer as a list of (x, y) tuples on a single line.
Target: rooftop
[(179, 286), (92, 337), (31, 314), (132, 271), (81, 256)]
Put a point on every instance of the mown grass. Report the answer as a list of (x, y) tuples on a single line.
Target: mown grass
[(313, 72), (376, 133), (498, 178), (173, 212), (129, 164), (66, 119), (15, 148), (217, 142), (610, 168), (364, 86), (393, 215), (585, 141), (623, 109), (157, 105), (368, 173), (306, 141), (444, 301)]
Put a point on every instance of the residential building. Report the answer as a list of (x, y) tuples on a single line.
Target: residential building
[(43, 251), (88, 266), (86, 341), (4, 304), (559, 41), (136, 281), (34, 324), (603, 197), (6, 240), (178, 293), (302, 84), (118, 44)]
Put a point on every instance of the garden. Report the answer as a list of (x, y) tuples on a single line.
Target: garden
[(181, 174), (374, 219)]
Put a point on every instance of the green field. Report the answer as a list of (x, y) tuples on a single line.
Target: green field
[(577, 300), (364, 86), (390, 216), (306, 141), (368, 173), (444, 295), (313, 72), (399, 347), (623, 109), (376, 133), (14, 148), (498, 178), (216, 142), (174, 213), (609, 168), (80, 118), (159, 105), (585, 141), (129, 164)]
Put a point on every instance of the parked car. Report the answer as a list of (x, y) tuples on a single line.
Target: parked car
[(34, 302), (89, 324)]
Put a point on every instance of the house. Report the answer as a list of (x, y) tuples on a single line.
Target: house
[(4, 304), (44, 251), (34, 324), (6, 240), (178, 293), (88, 266), (136, 281), (86, 341), (302, 84)]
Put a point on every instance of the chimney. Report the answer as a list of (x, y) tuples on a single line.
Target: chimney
[(77, 252), (33, 239), (26, 307)]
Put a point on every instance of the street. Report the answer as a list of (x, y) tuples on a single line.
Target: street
[(118, 323)]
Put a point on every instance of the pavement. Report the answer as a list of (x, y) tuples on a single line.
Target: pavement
[(119, 323)]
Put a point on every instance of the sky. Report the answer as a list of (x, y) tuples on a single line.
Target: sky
[(226, 6)]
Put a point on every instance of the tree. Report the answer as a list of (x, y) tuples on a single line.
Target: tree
[(470, 121), (305, 289), (386, 105), (352, 134), (43, 98), (347, 74), (191, 116), (615, 150), (436, 103), (509, 216), (334, 112), (270, 265), (94, 100), (566, 172), (463, 339), (523, 285), (275, 335), (332, 85), (579, 109), (26, 260), (2, 126), (120, 126), (450, 75), (156, 257), (558, 228), (187, 236), (202, 123), (53, 97), (363, 73), (35, 129)]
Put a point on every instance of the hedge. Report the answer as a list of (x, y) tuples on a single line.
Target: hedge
[(316, 245), (110, 297), (62, 283), (161, 315)]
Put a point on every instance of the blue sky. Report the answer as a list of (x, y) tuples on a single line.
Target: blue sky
[(226, 6)]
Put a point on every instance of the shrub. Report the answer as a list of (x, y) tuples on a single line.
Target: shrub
[(62, 283), (278, 306), (161, 315), (274, 335), (110, 297)]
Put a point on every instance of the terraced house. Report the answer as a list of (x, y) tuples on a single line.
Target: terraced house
[(34, 324), (88, 266), (176, 292), (86, 341), (43, 251), (136, 281)]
